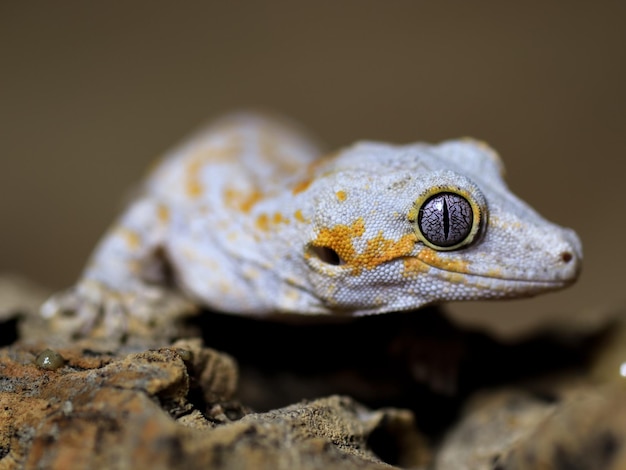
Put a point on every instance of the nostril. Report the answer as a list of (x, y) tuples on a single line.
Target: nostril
[(566, 257)]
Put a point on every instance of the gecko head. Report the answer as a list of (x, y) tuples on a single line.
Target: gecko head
[(399, 227)]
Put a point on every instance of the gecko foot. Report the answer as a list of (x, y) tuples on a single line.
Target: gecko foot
[(91, 308)]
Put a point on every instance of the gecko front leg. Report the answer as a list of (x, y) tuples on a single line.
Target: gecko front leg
[(125, 280)]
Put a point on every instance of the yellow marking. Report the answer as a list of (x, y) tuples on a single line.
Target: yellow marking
[(377, 251), (341, 195), (194, 187), (278, 218), (339, 238), (263, 222), (231, 197), (299, 217), (495, 272), (455, 278), (251, 200), (163, 213), (358, 227), (251, 273), (216, 153), (380, 250), (413, 267), (311, 171), (292, 295), (224, 286), (432, 258), (132, 238), (301, 186), (193, 256), (330, 291), (505, 224), (238, 200)]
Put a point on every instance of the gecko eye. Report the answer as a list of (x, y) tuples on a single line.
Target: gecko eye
[(446, 220)]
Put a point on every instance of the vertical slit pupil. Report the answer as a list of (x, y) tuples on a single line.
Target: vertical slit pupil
[(446, 219)]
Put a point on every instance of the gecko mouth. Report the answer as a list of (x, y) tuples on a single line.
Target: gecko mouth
[(474, 278)]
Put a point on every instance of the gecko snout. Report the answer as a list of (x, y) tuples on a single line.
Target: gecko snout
[(569, 257)]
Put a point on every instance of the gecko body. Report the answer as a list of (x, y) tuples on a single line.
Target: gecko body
[(249, 220)]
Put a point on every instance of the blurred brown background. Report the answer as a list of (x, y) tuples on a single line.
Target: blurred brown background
[(91, 92)]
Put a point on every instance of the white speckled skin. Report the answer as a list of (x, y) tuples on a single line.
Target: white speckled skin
[(236, 211)]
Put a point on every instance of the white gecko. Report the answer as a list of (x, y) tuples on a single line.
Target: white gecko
[(247, 219)]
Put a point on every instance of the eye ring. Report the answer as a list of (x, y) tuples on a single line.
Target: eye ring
[(447, 218)]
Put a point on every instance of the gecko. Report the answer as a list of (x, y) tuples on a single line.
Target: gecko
[(245, 217)]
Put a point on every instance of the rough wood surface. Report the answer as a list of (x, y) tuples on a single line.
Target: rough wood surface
[(148, 403)]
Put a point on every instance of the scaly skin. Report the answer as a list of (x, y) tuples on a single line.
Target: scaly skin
[(250, 221)]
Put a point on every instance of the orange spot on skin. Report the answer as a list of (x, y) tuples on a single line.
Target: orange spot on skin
[(413, 267), (341, 195), (432, 258), (496, 272), (225, 152), (132, 238), (311, 172), (163, 213), (358, 227), (299, 217), (301, 186), (263, 222), (378, 249), (241, 201), (278, 218), (194, 187), (455, 278), (495, 221), (230, 197), (339, 238), (251, 200)]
